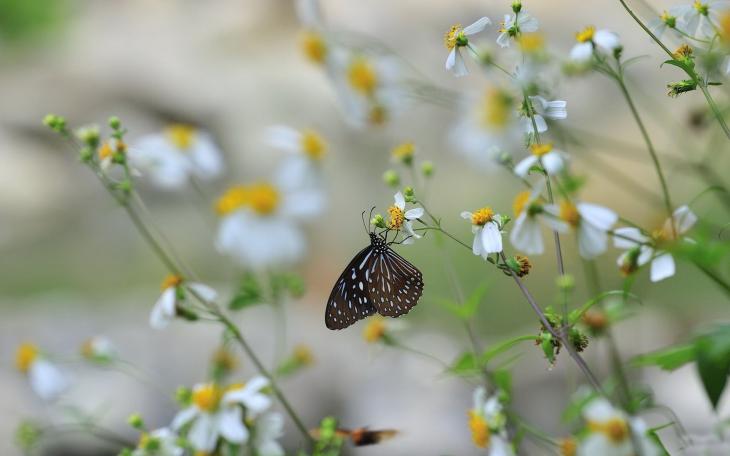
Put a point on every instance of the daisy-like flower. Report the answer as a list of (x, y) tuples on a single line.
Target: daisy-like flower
[(641, 249), (701, 19), (591, 223), (457, 38), (551, 160), (399, 218), (46, 379), (554, 110), (98, 349), (514, 25), (486, 230), (269, 428), (609, 432), (487, 424), (110, 152), (173, 291), (659, 25), (526, 234), (591, 40), (181, 152), (307, 149), (216, 412), (160, 442)]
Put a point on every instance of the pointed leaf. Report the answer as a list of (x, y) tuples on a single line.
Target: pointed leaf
[(669, 358)]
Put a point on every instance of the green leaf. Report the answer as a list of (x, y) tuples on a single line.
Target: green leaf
[(678, 64), (466, 310), (712, 351), (653, 435), (498, 349), (668, 359), (502, 379), (465, 365), (249, 293)]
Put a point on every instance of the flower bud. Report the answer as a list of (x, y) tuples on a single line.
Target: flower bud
[(55, 123), (183, 396), (115, 123), (516, 6), (578, 339), (565, 282), (520, 265), (378, 221), (404, 153), (678, 88), (391, 178), (135, 420), (427, 168), (89, 135)]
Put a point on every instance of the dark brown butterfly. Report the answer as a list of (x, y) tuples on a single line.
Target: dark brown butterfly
[(376, 280), (361, 436)]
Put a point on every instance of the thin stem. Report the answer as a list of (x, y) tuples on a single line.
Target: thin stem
[(714, 277)]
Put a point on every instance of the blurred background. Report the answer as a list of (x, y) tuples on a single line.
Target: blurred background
[(72, 266)]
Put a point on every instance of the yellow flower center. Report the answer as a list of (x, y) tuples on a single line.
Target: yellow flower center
[(531, 42), (362, 76), (404, 152), (585, 35), (303, 355), (375, 330), (207, 397), (539, 150), (496, 109), (171, 280), (683, 51), (520, 202), (314, 46), (232, 199), (451, 36), (313, 145), (105, 151), (180, 135), (25, 355), (569, 213), (481, 216), (480, 433), (615, 429), (701, 7), (263, 198), (397, 217), (568, 447), (725, 26)]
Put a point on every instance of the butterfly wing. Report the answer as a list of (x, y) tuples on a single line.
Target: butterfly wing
[(394, 285), (349, 300)]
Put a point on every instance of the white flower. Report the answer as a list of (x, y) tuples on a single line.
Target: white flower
[(700, 19), (400, 218), (590, 41), (659, 24), (487, 424), (610, 432), (455, 39), (99, 349), (513, 26), (165, 309), (309, 13), (526, 234), (45, 378), (641, 249), (269, 428), (554, 110), (551, 160), (160, 442), (173, 157), (591, 222), (487, 234), (216, 412)]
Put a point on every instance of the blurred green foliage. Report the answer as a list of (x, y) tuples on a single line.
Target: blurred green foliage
[(27, 21)]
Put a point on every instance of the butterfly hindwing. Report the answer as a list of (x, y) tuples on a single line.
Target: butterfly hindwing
[(396, 285), (349, 300)]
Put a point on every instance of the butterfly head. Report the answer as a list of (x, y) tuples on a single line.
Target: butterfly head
[(377, 242)]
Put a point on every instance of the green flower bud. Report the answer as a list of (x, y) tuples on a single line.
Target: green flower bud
[(86, 154), (565, 282), (391, 178), (578, 339), (183, 396), (115, 123), (427, 168), (378, 221), (55, 123), (516, 7), (27, 436), (678, 88), (135, 420), (89, 135)]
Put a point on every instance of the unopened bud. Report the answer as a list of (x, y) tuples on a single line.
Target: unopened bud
[(391, 178)]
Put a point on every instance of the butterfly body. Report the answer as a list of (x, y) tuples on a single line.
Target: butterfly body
[(378, 280)]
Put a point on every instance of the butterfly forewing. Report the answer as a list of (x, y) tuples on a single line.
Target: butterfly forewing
[(349, 300), (396, 284)]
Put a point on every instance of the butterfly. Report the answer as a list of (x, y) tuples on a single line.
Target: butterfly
[(360, 436), (376, 280)]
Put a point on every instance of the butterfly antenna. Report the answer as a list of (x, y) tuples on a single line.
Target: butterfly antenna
[(362, 216)]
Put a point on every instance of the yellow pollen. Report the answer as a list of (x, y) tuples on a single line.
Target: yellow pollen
[(539, 150), (725, 26), (481, 216), (404, 152), (569, 213), (531, 42), (480, 433), (144, 440), (615, 429), (263, 198), (25, 355), (105, 151), (303, 355), (375, 330), (568, 447), (496, 109), (683, 51), (314, 46), (207, 397), (585, 35), (171, 280), (180, 135), (520, 202), (232, 199), (451, 36), (397, 217), (313, 145), (362, 76)]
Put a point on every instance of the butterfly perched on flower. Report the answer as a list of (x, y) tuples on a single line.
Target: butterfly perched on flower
[(376, 280), (361, 436)]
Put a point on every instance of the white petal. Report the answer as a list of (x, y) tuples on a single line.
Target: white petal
[(540, 123), (581, 52), (528, 23), (479, 397), (476, 246), (477, 26), (183, 417), (415, 213), (553, 162), (400, 201), (526, 235), (206, 158), (451, 60), (684, 219), (662, 267), (47, 380), (164, 310), (205, 292), (466, 215), (599, 410), (409, 229), (523, 167), (203, 434), (628, 237), (503, 39), (598, 216), (230, 424), (284, 138), (459, 68), (592, 241), (491, 238), (606, 40)]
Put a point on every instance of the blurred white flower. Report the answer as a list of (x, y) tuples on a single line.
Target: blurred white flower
[(457, 38), (591, 40), (160, 442), (269, 428), (165, 309), (642, 249), (307, 143), (659, 24), (46, 379), (515, 25), (700, 19), (309, 13), (591, 222), (554, 110), (551, 160), (99, 349), (487, 423), (172, 157), (216, 412), (526, 234), (400, 218), (609, 432), (485, 227)]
